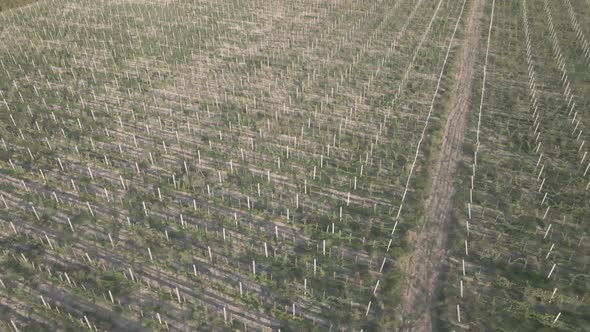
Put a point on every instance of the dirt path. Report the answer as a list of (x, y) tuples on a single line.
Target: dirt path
[(419, 297)]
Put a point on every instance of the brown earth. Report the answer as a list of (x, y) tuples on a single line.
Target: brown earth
[(424, 266)]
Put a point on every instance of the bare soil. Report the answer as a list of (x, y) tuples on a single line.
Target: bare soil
[(424, 266)]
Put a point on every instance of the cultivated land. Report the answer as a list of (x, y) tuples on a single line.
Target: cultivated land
[(300, 165)]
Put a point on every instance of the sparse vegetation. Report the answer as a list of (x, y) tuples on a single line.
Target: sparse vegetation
[(193, 165), (519, 225), (9, 4)]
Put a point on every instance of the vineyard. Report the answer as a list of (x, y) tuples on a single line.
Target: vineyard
[(305, 165), (519, 244)]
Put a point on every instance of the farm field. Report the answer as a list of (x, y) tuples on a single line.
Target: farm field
[(346, 165), (519, 244)]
